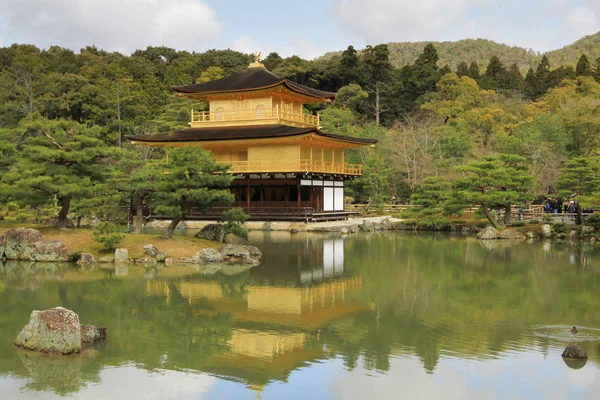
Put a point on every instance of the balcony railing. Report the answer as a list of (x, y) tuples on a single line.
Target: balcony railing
[(294, 166), (273, 115)]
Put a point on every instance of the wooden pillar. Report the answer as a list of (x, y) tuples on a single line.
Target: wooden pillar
[(248, 192), (299, 191)]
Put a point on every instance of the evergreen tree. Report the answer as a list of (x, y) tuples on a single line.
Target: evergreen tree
[(193, 181), (377, 67), (597, 70), (272, 61), (498, 181), (581, 179), (530, 85), (349, 64), (474, 70), (462, 69), (60, 160), (584, 68)]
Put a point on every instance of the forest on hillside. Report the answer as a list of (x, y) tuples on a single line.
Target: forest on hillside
[(480, 51), (64, 115)]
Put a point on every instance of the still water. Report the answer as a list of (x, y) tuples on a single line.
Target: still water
[(323, 317)]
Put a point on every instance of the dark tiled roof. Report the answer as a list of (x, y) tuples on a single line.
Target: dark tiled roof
[(240, 132), (251, 79)]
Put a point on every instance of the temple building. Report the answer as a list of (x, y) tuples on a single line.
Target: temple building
[(285, 167)]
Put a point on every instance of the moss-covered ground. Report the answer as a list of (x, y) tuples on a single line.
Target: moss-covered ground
[(81, 241)]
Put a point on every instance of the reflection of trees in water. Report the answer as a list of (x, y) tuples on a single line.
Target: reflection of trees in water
[(435, 296)]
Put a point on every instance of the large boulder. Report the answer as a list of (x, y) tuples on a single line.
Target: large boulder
[(213, 232), (106, 259), (254, 252), (28, 244), (235, 250), (18, 243), (121, 256), (154, 252), (489, 233), (209, 256), (1, 252), (86, 258), (546, 231), (574, 350), (92, 333), (511, 234), (53, 331)]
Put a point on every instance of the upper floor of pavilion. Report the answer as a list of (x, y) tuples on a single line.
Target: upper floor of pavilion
[(254, 96)]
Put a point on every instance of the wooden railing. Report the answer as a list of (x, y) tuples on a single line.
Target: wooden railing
[(294, 166), (274, 114)]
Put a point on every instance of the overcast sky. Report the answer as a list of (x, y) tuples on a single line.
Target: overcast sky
[(308, 28)]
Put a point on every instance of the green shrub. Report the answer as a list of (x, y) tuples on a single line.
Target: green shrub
[(108, 234), (435, 223), (593, 221), (234, 219), (559, 227), (518, 223)]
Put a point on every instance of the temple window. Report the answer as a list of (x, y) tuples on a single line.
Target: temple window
[(220, 114), (261, 111)]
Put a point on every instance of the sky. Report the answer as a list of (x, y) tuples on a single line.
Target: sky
[(308, 28)]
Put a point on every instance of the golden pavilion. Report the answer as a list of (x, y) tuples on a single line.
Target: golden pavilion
[(285, 167)]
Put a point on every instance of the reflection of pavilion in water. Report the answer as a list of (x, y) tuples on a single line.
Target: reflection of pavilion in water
[(277, 327)]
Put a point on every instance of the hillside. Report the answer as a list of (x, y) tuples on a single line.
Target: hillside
[(480, 50)]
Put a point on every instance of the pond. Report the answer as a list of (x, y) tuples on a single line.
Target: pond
[(323, 317)]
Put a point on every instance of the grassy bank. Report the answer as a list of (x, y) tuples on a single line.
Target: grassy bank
[(81, 241)]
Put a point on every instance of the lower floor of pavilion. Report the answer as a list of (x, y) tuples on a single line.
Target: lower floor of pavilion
[(285, 197)]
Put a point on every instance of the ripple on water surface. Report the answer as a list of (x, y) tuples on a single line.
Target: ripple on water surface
[(563, 333)]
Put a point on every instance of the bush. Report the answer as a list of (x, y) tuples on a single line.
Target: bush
[(108, 234), (234, 219), (435, 223), (518, 223), (593, 221), (559, 227)]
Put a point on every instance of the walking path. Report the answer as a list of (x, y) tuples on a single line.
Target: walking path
[(328, 226)]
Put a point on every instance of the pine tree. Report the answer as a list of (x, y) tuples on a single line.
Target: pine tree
[(498, 181), (377, 67), (462, 70), (584, 68), (597, 70), (474, 70), (60, 160), (349, 64), (193, 181)]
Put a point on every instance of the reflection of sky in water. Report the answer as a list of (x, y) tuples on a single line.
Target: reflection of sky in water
[(126, 382), (529, 375)]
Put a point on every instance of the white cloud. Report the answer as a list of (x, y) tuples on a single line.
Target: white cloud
[(245, 44), (121, 25), (582, 21), (403, 20)]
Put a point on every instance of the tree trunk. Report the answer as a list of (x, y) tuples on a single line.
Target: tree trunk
[(64, 211), (169, 233), (377, 103), (139, 214), (579, 217), (507, 214), (486, 211)]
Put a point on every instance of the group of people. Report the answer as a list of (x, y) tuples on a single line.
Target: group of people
[(559, 206), (563, 206)]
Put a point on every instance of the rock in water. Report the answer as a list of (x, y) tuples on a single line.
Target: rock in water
[(86, 258), (121, 256), (92, 333), (574, 350), (546, 231), (154, 252), (18, 243), (489, 233), (511, 234), (53, 331), (208, 256)]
